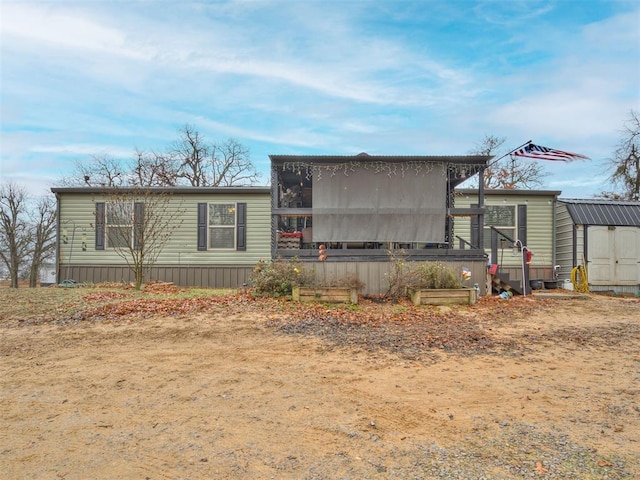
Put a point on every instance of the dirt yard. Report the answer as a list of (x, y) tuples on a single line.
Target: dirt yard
[(252, 389)]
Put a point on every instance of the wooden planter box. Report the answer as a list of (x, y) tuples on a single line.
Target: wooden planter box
[(436, 296), (325, 295)]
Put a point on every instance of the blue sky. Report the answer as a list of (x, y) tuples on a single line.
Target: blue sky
[(309, 77)]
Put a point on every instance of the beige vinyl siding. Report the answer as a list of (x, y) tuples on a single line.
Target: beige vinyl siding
[(564, 241), (77, 215), (540, 221), (580, 253)]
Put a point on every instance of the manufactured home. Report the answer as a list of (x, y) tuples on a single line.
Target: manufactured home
[(214, 235), (365, 209)]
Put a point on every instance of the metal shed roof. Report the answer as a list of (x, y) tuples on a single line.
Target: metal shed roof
[(603, 212)]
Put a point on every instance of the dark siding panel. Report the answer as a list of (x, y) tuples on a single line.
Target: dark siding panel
[(231, 276), (202, 226), (138, 227), (522, 224), (242, 227), (100, 226), (475, 229)]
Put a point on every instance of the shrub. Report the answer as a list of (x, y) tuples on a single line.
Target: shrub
[(277, 278), (401, 275), (436, 275), (348, 280)]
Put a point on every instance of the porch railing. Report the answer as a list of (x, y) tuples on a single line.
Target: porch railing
[(462, 243), (498, 235)]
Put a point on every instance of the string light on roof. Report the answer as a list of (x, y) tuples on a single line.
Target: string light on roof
[(388, 168)]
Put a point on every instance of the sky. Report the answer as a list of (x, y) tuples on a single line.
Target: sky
[(386, 77)]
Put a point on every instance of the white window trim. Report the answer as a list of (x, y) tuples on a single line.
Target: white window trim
[(487, 229), (108, 226), (234, 227)]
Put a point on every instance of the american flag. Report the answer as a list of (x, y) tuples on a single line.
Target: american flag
[(545, 153)]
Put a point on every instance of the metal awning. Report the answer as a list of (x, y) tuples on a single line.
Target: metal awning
[(603, 212)]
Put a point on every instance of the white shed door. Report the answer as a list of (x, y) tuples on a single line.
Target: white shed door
[(614, 255), (627, 261)]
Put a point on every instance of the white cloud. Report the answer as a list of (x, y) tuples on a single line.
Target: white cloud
[(84, 149), (45, 25), (85, 78), (338, 64), (581, 94)]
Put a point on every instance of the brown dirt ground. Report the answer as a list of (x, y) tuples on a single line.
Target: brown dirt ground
[(257, 392)]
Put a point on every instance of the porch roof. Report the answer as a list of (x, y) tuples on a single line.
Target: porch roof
[(365, 157), (460, 167)]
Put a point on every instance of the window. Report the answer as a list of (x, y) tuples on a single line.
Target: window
[(119, 225), (222, 225), (503, 217)]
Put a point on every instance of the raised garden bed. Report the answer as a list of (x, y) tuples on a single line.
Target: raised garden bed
[(438, 296), (325, 295)]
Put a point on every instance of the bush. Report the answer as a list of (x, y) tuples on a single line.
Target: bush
[(348, 280), (277, 278), (435, 275), (401, 275)]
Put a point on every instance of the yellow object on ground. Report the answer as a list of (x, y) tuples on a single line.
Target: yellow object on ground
[(579, 279)]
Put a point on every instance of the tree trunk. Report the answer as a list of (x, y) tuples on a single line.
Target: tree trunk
[(138, 276), (33, 275), (14, 272)]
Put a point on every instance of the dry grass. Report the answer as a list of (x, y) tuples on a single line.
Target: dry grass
[(51, 304)]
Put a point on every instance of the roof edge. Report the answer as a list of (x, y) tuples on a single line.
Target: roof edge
[(175, 190), (505, 191), (363, 157)]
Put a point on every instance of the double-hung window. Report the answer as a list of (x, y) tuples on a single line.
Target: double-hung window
[(222, 226), (503, 217), (119, 224)]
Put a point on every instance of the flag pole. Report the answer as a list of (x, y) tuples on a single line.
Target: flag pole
[(510, 152)]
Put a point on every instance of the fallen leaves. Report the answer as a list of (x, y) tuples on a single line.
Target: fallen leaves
[(401, 328), (161, 287), (540, 469), (415, 333)]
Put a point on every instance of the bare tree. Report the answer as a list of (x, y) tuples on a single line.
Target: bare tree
[(192, 155), (99, 171), (15, 234), (231, 165), (507, 173), (625, 162), (153, 169), (139, 222), (43, 225), (190, 160)]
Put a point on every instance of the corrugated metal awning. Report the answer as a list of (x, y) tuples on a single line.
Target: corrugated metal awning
[(603, 212)]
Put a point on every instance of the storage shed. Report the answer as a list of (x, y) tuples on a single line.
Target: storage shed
[(604, 236)]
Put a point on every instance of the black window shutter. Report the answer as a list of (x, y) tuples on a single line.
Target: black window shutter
[(100, 226), (475, 227), (202, 226), (522, 224), (241, 225), (138, 224)]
